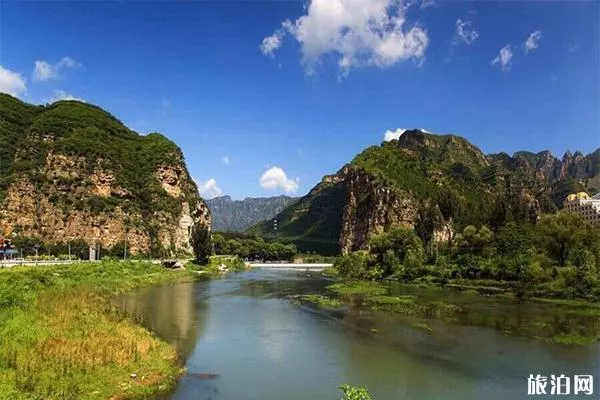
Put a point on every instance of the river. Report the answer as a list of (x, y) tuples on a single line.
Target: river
[(242, 338)]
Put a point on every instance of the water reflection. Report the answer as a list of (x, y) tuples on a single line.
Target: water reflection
[(172, 311), (244, 339)]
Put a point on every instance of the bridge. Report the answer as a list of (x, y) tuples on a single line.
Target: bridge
[(291, 266)]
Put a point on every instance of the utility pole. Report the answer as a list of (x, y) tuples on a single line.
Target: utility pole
[(69, 249)]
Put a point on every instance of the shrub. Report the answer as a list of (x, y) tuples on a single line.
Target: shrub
[(352, 265)]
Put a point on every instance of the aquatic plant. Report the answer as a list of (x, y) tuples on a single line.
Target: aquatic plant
[(354, 393)]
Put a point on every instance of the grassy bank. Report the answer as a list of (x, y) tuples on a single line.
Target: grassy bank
[(218, 265), (60, 338)]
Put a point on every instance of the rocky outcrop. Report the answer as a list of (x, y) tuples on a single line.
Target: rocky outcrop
[(59, 213), (550, 169), (90, 178), (372, 208)]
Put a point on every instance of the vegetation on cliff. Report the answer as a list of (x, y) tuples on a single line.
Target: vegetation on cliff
[(60, 337), (75, 158)]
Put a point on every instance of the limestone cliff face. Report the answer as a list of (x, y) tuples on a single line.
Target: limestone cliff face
[(85, 176), (58, 212), (372, 208)]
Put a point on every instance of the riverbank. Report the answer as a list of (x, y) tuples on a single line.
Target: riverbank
[(60, 337)]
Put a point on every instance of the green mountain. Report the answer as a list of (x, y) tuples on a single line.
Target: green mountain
[(436, 184), (238, 215), (70, 171)]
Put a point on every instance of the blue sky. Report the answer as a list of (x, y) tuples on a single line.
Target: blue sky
[(323, 86)]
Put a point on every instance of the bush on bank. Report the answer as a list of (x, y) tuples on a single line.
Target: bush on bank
[(557, 257)]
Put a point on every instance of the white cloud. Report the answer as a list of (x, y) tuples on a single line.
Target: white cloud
[(392, 135), (272, 43), (359, 33), (427, 3), (464, 32), (226, 160), (68, 62), (62, 95), (209, 189), (276, 178), (532, 41), (503, 58), (11, 82), (44, 71)]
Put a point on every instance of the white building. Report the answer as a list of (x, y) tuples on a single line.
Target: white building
[(585, 206)]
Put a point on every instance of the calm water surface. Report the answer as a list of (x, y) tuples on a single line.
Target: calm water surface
[(244, 339)]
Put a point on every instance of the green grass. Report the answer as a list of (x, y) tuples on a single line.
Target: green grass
[(60, 337)]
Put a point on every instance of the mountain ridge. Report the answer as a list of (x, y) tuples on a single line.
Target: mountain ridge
[(239, 215), (423, 179)]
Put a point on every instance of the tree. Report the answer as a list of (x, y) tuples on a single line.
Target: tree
[(448, 203), (352, 265), (514, 238), (220, 244), (560, 234), (201, 243), (475, 242), (429, 219), (404, 243)]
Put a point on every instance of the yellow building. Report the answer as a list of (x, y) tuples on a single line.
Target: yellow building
[(585, 206)]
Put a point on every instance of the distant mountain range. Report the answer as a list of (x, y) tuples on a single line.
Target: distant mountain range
[(239, 215), (436, 184)]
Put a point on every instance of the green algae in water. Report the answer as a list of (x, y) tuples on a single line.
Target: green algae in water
[(362, 288), (422, 326), (320, 301), (573, 339)]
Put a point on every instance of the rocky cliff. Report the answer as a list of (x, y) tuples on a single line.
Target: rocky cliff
[(239, 215), (71, 171), (436, 184)]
